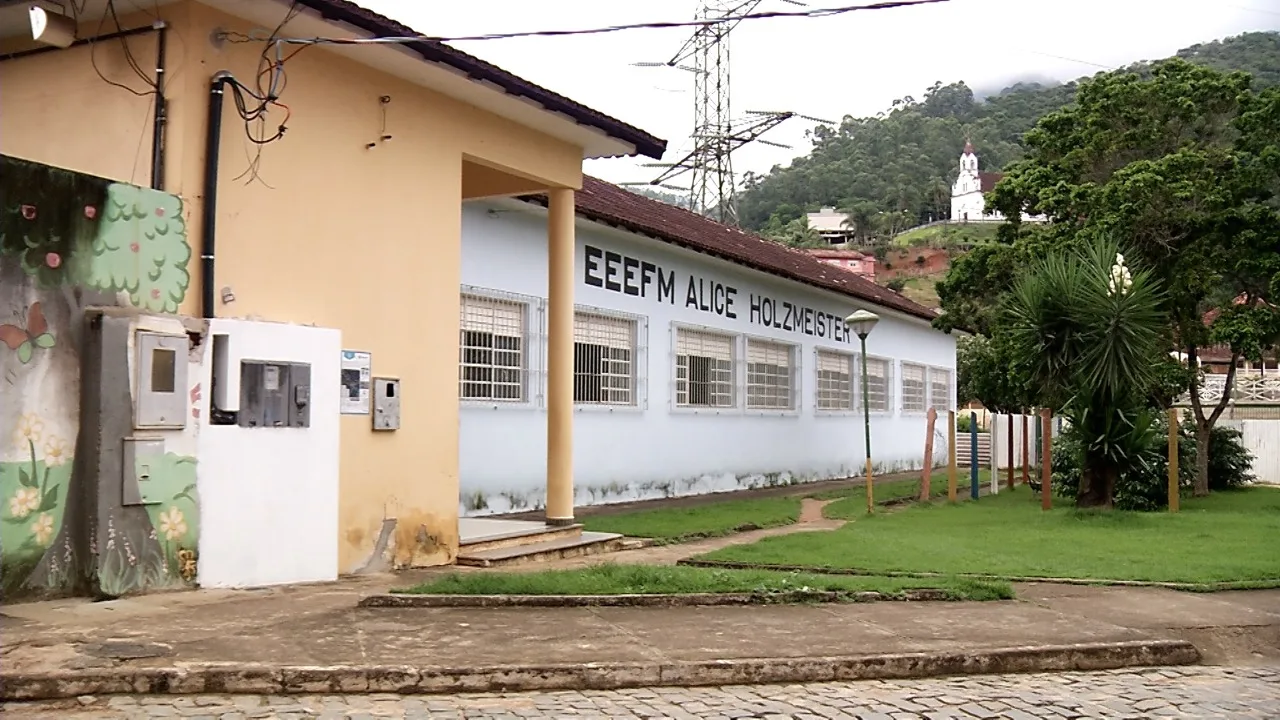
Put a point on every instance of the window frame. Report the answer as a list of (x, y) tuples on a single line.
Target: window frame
[(639, 361), (890, 397), (735, 382), (533, 348), (855, 381), (951, 387), (924, 382), (794, 352)]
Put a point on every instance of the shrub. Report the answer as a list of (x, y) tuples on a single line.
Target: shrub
[(964, 423), (1230, 463), (1145, 485), (896, 284)]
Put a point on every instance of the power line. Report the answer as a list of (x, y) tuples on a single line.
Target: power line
[(701, 22)]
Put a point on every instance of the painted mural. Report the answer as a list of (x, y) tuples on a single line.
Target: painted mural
[(69, 241)]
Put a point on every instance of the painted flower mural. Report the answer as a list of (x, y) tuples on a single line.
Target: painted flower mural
[(64, 235), (24, 502), (35, 490)]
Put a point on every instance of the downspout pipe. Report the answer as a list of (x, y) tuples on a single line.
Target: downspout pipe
[(161, 113), (209, 212), (84, 41)]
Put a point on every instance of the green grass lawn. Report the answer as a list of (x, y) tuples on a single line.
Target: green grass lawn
[(1227, 537), (610, 579), (713, 519), (942, 235), (852, 502), (729, 516)]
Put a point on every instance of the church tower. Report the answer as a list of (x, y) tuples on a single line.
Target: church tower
[(966, 193)]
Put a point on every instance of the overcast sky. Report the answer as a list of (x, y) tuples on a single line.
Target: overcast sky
[(851, 64)]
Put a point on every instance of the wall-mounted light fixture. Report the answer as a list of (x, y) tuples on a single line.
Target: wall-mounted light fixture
[(51, 28)]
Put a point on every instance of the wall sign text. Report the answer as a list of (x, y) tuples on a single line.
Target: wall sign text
[(624, 274)]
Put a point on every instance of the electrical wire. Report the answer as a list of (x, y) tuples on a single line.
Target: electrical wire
[(128, 54), (93, 56), (253, 104), (774, 14)]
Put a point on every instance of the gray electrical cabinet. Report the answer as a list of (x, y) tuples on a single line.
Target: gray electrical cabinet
[(161, 400), (386, 404), (136, 464), (274, 394)]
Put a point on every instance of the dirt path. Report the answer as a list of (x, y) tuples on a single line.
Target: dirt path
[(811, 520)]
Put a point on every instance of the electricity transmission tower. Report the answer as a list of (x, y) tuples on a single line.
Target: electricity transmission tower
[(712, 187)]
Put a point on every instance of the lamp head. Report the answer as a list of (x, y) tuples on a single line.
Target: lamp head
[(51, 28), (861, 322)]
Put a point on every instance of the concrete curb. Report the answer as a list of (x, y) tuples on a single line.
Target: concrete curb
[(253, 679), (406, 600), (818, 570)]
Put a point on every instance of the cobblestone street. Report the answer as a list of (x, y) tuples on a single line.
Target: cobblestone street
[(1193, 692)]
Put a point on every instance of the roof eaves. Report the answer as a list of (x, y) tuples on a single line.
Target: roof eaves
[(838, 281), (434, 52)]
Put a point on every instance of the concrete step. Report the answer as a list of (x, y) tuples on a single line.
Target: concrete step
[(520, 537), (587, 543)]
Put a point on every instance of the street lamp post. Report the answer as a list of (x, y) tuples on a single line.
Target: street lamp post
[(861, 322)]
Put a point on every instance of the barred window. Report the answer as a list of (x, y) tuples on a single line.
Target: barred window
[(770, 383), (493, 361), (913, 388), (879, 383), (704, 369), (835, 381), (604, 350), (940, 389)]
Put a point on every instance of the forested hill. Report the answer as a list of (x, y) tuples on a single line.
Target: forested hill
[(904, 160)]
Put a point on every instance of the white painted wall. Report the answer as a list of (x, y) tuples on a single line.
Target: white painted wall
[(655, 450), (269, 496)]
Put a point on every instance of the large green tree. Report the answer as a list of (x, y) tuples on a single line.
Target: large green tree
[(1183, 164), (905, 159)]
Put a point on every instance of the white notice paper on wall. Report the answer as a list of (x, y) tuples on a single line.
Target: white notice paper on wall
[(356, 371)]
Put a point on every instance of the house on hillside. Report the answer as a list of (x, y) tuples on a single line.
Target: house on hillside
[(968, 203), (706, 358), (237, 369), (832, 225), (854, 261)]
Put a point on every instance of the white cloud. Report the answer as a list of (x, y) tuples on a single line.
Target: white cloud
[(855, 64)]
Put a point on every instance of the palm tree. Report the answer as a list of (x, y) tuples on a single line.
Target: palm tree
[(1087, 329)]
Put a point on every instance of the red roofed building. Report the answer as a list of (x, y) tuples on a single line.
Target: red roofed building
[(858, 263)]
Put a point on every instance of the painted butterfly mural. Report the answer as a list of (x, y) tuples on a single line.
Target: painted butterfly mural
[(25, 340)]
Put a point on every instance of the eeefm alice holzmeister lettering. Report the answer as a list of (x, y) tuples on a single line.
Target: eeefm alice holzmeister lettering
[(624, 274)]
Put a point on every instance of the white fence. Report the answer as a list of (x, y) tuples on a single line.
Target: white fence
[(1262, 439), (1248, 389)]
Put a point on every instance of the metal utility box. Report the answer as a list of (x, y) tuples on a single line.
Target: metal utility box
[(386, 403), (161, 400), (136, 461), (274, 394)]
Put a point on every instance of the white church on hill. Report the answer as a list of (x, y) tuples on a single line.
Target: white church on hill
[(967, 202)]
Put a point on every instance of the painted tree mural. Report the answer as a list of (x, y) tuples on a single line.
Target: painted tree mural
[(69, 241)]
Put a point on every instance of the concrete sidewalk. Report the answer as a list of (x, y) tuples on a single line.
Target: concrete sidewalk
[(319, 625)]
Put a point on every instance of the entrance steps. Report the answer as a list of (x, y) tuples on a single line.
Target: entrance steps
[(506, 543)]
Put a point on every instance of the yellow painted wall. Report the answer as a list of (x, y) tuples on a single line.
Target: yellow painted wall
[(367, 241)]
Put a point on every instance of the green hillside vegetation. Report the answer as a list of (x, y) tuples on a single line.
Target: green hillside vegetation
[(948, 235), (893, 171)]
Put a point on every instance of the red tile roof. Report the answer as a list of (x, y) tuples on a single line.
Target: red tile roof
[(476, 69), (988, 180), (612, 205)]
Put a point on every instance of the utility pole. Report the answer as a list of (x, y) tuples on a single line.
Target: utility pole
[(712, 185)]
